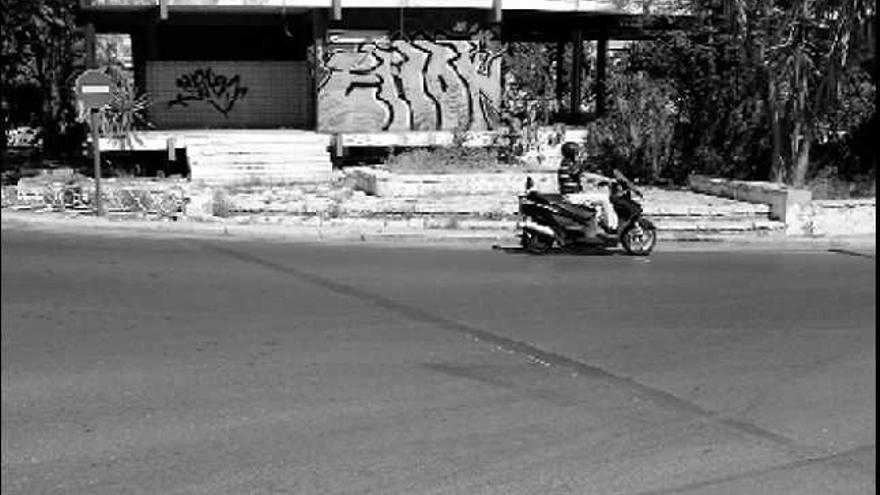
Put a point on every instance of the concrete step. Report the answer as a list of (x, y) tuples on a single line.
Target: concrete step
[(495, 212), (226, 143), (303, 155), (698, 225), (500, 233), (269, 168), (265, 148), (251, 168), (267, 162), (719, 225), (508, 227), (223, 179), (157, 140), (508, 205), (279, 160), (251, 136)]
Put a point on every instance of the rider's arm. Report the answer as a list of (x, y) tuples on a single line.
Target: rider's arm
[(623, 178), (594, 179), (620, 177)]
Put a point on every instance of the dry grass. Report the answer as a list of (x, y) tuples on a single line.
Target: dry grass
[(446, 161)]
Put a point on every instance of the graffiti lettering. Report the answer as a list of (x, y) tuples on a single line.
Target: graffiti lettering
[(219, 91), (402, 85)]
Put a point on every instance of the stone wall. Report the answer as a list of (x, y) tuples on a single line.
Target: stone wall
[(795, 207), (785, 202)]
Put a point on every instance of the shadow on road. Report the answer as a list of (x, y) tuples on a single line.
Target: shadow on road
[(567, 251)]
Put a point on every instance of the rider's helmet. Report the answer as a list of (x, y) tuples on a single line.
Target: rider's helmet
[(570, 150)]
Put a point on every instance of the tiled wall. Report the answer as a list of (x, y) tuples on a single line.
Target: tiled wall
[(228, 94)]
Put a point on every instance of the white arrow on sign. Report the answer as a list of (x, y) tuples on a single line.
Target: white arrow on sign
[(94, 88)]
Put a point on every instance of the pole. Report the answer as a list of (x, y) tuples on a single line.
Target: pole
[(96, 155), (577, 57)]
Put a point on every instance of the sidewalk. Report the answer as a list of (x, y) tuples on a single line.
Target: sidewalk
[(482, 233)]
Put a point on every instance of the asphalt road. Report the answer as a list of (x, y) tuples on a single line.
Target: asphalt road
[(183, 366)]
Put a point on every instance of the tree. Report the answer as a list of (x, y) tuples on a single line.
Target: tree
[(719, 127), (529, 83), (809, 53), (38, 48), (635, 135), (803, 50), (760, 82)]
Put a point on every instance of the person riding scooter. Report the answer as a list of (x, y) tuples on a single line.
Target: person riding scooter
[(572, 218), (573, 175)]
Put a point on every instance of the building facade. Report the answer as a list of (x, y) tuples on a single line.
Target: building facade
[(339, 66)]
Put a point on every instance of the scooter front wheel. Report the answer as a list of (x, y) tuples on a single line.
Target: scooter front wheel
[(638, 239), (536, 243)]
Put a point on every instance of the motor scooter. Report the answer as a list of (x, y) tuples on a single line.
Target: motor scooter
[(548, 220)]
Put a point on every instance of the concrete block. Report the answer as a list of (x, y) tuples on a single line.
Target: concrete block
[(9, 196), (199, 203), (785, 202)]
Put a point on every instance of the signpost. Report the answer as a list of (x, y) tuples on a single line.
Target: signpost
[(93, 89)]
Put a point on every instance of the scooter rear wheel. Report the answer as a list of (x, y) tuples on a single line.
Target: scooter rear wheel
[(536, 243), (638, 239)]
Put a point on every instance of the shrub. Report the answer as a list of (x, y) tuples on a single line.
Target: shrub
[(828, 184), (127, 111), (24, 136), (636, 134), (222, 205)]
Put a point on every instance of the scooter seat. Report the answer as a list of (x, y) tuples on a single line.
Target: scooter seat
[(577, 211), (545, 198), (559, 201)]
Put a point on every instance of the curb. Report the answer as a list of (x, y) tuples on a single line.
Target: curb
[(314, 229)]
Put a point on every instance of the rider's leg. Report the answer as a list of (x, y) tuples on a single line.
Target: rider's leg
[(601, 197), (600, 200), (610, 216)]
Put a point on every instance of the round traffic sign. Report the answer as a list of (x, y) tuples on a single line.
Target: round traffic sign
[(94, 88)]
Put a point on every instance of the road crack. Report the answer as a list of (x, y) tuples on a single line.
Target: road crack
[(840, 457), (533, 354)]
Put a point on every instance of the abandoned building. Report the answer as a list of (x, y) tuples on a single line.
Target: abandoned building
[(276, 89)]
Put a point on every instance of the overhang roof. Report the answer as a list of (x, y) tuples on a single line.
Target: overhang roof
[(522, 20), (651, 7)]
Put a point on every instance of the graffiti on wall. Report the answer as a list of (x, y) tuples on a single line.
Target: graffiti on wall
[(401, 85), (217, 90)]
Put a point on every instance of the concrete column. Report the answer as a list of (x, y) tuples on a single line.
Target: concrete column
[(151, 41), (601, 63), (560, 72), (577, 58), (318, 20), (139, 54), (91, 46), (497, 12)]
